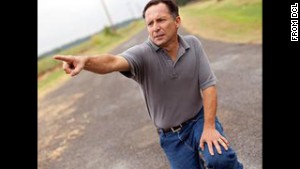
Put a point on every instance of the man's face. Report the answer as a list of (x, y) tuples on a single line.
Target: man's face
[(161, 25)]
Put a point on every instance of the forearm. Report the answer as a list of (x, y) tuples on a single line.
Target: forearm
[(210, 106), (100, 64)]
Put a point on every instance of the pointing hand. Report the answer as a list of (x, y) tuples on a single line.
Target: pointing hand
[(71, 64)]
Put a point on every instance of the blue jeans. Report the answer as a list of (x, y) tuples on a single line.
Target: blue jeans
[(183, 151)]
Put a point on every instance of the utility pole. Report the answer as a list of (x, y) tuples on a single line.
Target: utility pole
[(108, 16)]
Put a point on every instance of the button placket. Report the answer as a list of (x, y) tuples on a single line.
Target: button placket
[(171, 65), (174, 74)]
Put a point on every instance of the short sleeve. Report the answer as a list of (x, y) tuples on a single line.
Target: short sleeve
[(206, 75), (134, 57)]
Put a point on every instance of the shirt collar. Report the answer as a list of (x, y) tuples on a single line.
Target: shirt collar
[(182, 43)]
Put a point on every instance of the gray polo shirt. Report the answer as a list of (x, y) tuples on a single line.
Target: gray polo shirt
[(171, 89)]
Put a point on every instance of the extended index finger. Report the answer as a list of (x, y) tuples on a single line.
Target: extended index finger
[(68, 59)]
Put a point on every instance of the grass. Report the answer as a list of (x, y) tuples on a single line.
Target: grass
[(49, 79), (227, 20), (49, 70)]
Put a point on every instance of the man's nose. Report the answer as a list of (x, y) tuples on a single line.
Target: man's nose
[(156, 27)]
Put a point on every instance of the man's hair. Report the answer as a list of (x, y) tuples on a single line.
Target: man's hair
[(172, 6)]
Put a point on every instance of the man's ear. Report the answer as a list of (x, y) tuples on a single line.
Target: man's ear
[(177, 21)]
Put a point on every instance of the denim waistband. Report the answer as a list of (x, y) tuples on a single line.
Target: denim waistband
[(199, 115)]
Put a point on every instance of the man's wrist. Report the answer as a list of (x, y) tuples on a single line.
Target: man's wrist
[(86, 62), (209, 124)]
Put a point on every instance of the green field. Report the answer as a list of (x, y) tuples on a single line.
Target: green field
[(226, 20)]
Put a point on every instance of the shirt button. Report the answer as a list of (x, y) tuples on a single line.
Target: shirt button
[(174, 75)]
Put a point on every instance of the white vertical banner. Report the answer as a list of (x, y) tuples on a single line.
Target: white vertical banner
[(294, 22)]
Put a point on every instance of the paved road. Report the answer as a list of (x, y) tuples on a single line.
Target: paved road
[(100, 121)]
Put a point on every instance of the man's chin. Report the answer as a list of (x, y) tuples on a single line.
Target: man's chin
[(158, 42)]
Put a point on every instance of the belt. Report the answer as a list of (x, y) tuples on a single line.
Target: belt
[(177, 128)]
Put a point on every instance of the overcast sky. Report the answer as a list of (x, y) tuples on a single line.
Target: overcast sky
[(63, 21)]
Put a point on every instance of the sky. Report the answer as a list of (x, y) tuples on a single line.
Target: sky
[(63, 21)]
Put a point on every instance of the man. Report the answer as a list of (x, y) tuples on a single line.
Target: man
[(178, 86)]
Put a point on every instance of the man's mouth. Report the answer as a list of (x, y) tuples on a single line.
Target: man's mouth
[(158, 36)]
